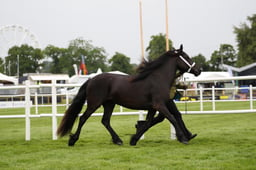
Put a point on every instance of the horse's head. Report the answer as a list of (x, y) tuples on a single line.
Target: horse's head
[(185, 64)]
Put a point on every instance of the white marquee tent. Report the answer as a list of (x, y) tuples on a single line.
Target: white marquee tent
[(206, 76), (4, 79)]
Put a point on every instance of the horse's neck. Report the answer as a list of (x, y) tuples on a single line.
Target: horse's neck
[(167, 73)]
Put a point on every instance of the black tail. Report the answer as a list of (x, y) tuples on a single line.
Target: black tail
[(72, 112)]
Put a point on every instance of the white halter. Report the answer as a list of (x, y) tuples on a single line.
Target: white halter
[(189, 65)]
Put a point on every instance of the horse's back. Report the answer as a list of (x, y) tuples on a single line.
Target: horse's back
[(102, 85), (120, 90)]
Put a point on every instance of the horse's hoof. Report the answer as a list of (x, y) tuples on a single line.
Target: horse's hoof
[(72, 140), (183, 140), (133, 141), (192, 136), (70, 144), (118, 142)]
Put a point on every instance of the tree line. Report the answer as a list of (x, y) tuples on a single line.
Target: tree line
[(26, 59)]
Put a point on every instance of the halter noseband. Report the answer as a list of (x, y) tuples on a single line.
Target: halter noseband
[(189, 65)]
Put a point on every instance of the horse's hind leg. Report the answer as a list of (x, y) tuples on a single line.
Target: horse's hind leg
[(141, 129), (108, 109), (159, 118), (74, 137)]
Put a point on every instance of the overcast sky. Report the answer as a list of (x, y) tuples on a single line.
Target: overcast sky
[(200, 25)]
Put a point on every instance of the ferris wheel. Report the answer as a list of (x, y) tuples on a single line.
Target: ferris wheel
[(15, 35)]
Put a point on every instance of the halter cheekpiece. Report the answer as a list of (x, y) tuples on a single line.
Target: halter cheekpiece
[(188, 64)]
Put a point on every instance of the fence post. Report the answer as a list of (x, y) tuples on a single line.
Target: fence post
[(67, 102), (173, 132), (36, 103), (54, 110), (213, 98), (251, 97), (27, 110), (201, 99)]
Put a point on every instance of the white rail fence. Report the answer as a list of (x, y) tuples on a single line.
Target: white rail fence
[(27, 103), (30, 91), (213, 89), (212, 99)]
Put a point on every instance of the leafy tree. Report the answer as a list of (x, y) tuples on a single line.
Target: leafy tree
[(157, 46), (121, 63), (25, 57), (58, 58), (215, 61), (201, 61), (63, 59), (246, 39), (228, 54), (1, 65), (225, 55), (95, 57)]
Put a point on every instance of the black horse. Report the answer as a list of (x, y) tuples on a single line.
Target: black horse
[(148, 90), (142, 126)]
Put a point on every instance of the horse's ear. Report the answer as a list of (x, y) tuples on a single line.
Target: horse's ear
[(181, 48)]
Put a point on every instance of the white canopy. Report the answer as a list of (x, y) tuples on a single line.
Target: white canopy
[(4, 79), (206, 76), (37, 77), (80, 79)]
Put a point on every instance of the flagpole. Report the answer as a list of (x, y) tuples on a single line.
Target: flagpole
[(173, 132), (141, 33), (167, 26)]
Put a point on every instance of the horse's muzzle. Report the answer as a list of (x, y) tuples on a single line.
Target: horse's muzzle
[(197, 72)]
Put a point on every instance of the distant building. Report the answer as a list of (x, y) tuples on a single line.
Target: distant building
[(248, 70)]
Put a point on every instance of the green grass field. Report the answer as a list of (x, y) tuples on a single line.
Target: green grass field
[(224, 141)]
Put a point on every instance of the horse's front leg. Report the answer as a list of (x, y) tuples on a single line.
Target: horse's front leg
[(173, 109)]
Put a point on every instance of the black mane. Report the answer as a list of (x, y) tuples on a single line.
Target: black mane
[(147, 67)]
